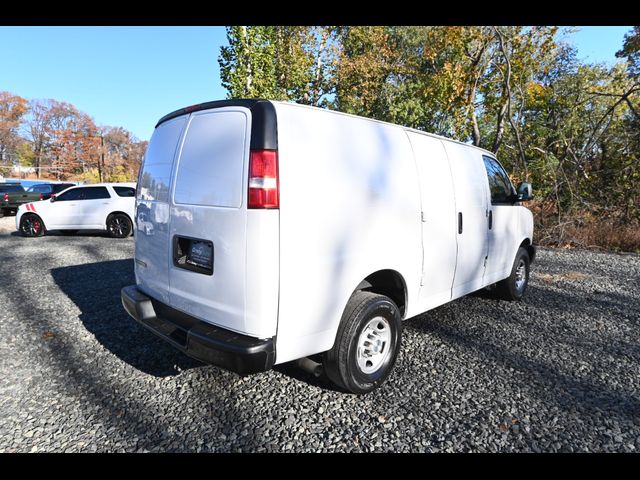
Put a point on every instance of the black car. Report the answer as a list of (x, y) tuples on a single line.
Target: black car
[(48, 189)]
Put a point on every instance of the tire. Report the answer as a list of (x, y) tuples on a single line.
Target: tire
[(68, 232), (514, 286), (118, 225), (349, 364), (6, 212), (31, 225)]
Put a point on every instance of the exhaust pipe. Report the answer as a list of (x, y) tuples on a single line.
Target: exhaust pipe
[(309, 366)]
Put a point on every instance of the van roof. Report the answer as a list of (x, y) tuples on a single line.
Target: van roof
[(234, 102), (252, 102), (264, 135), (409, 129)]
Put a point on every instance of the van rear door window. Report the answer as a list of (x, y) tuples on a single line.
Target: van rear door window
[(212, 159), (158, 161)]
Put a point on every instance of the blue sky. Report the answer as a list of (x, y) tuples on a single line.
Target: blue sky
[(132, 76)]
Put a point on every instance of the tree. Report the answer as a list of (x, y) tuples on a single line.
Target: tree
[(278, 62), (247, 64), (12, 110), (44, 124), (366, 61), (631, 50)]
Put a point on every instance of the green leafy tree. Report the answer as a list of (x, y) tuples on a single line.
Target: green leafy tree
[(278, 62), (631, 50), (247, 67)]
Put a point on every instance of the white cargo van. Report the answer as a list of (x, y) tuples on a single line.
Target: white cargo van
[(269, 232)]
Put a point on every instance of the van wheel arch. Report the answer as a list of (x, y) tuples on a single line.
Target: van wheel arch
[(526, 244), (389, 283)]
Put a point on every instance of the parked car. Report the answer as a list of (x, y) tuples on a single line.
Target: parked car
[(12, 195), (298, 233), (49, 189), (103, 206)]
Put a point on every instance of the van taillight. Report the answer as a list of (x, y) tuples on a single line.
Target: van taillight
[(41, 196), (263, 179), (6, 197)]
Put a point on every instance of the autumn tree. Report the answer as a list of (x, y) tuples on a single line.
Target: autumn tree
[(66, 142), (367, 60), (44, 125), (12, 110)]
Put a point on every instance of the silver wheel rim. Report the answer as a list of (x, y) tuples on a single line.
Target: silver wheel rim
[(521, 275), (374, 345)]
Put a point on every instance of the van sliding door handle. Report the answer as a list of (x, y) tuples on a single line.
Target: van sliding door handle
[(490, 219), (459, 222)]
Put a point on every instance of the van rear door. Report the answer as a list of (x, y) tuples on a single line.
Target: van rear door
[(208, 226)]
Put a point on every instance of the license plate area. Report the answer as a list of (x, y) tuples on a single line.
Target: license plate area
[(193, 254)]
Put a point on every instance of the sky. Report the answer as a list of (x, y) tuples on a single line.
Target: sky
[(132, 76)]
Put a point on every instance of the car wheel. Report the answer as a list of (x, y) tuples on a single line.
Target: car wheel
[(119, 225), (514, 286), (31, 225), (366, 345)]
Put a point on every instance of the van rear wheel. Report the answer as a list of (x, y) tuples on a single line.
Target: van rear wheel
[(366, 345)]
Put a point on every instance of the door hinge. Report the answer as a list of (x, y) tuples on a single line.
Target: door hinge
[(485, 261), (423, 217), (422, 280)]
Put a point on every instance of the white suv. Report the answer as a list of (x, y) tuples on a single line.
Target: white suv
[(102, 206)]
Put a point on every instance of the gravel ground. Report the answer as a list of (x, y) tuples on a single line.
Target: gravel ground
[(555, 372), (7, 224)]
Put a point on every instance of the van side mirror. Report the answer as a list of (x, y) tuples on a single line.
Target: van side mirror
[(524, 191), (52, 198)]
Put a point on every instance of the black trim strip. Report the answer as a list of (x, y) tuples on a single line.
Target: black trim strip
[(264, 131)]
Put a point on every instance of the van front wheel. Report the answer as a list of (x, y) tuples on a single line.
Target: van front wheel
[(366, 345), (514, 286)]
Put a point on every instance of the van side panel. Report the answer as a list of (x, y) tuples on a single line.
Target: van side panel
[(349, 206), (439, 222)]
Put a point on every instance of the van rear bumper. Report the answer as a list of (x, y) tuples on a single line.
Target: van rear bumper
[(205, 342)]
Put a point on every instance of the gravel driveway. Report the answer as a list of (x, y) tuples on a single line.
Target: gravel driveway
[(556, 372)]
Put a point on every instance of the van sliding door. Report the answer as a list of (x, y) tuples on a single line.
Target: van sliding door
[(472, 209), (438, 220)]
